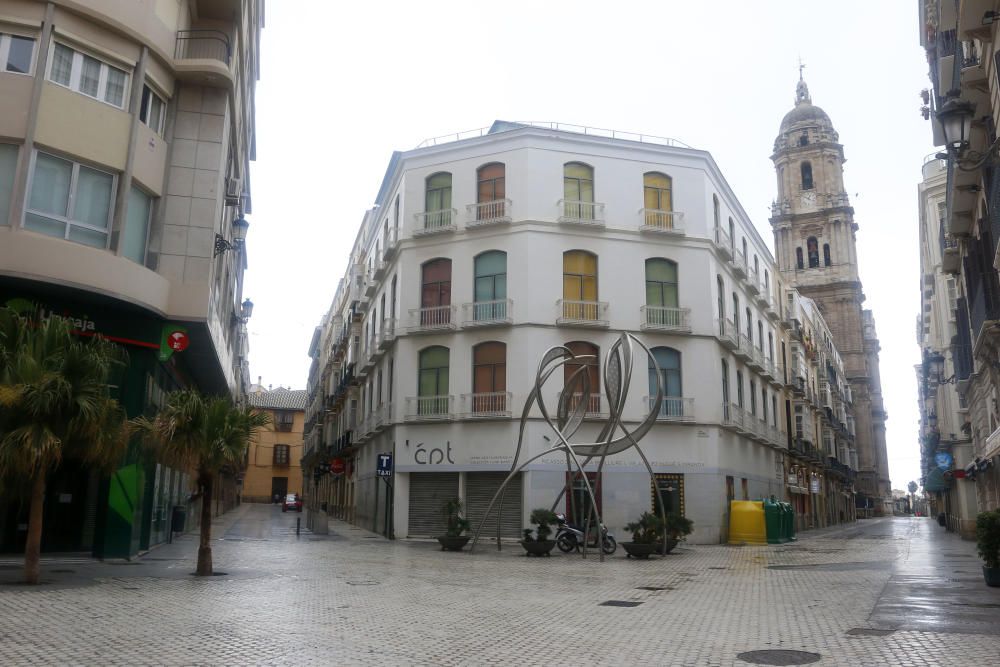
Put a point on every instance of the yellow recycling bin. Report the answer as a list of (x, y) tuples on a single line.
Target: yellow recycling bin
[(746, 522)]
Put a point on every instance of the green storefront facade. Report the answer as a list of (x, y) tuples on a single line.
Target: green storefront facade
[(87, 511)]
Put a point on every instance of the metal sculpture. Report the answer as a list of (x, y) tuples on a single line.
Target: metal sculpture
[(571, 410)]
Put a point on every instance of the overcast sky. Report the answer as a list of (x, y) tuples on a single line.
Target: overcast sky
[(344, 84)]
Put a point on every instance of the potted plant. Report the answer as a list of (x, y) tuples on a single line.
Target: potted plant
[(647, 536), (540, 544), (455, 524), (678, 527), (988, 545)]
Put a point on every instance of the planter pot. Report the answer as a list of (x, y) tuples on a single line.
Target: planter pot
[(642, 550), (991, 575), (538, 548), (453, 542), (671, 543)]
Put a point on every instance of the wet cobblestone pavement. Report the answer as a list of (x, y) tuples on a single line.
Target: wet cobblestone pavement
[(895, 592)]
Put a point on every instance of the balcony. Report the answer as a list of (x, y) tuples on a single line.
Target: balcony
[(435, 222), (725, 332), (739, 264), (381, 266), (733, 417), (672, 408), (767, 368), (382, 417), (429, 320), (487, 405), (664, 222), (756, 360), (745, 349), (753, 282), (593, 409), (767, 301), (429, 408), (371, 286), (203, 56), (489, 213), (390, 244), (951, 259), (722, 243), (498, 312), (387, 333), (581, 212), (663, 318), (582, 313)]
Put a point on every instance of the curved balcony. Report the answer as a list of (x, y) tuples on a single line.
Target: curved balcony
[(202, 56)]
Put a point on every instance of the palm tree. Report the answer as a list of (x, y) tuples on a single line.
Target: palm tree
[(55, 403), (205, 434)]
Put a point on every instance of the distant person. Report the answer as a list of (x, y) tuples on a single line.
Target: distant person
[(277, 498)]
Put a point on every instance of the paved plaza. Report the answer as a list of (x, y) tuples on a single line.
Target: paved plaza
[(894, 591)]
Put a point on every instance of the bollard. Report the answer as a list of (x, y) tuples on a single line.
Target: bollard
[(298, 525)]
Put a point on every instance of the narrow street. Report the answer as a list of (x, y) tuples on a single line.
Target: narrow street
[(894, 591)]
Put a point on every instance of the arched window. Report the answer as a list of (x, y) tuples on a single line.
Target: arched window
[(725, 390), (804, 139), (432, 382), (760, 336), (736, 314), (739, 389), (490, 290), (767, 282), (744, 249), (716, 212), (661, 293), (580, 285), (489, 378), (574, 372), (749, 325), (826, 254), (435, 293), (770, 345), (798, 258), (392, 299), (491, 190), (669, 361), (657, 201), (812, 247), (753, 397), (721, 305), (807, 176), (437, 201), (578, 191), (732, 233), (756, 268)]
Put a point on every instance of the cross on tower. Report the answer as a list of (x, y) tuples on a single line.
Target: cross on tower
[(802, 66)]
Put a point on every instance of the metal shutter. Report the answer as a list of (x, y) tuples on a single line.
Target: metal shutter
[(429, 491), (479, 490)]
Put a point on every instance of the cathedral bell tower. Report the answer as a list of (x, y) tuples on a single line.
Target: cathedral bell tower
[(815, 249)]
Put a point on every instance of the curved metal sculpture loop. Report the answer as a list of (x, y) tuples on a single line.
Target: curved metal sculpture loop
[(571, 410)]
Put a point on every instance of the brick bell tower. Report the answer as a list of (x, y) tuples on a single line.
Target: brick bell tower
[(815, 248)]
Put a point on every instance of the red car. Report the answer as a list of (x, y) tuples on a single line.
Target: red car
[(292, 502)]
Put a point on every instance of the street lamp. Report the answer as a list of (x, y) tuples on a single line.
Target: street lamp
[(246, 309), (955, 117), (240, 227)]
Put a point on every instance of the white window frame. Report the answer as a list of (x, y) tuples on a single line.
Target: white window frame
[(5, 52), (163, 113), (71, 200), (76, 71)]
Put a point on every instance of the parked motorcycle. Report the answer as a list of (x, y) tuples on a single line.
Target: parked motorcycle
[(570, 537)]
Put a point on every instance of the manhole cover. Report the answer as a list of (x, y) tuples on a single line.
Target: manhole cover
[(779, 657), (363, 583), (619, 603), (869, 632)]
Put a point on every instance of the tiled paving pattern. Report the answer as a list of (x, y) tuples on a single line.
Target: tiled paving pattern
[(349, 600)]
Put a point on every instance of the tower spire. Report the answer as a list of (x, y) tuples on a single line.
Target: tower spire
[(801, 89)]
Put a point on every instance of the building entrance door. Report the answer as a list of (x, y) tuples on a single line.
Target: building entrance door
[(279, 487)]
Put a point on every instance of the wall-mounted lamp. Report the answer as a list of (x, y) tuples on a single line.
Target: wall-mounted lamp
[(246, 310), (240, 227)]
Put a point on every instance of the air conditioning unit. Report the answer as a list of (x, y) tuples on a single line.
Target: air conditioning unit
[(234, 191)]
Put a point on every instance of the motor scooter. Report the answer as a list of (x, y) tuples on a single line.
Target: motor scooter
[(570, 537)]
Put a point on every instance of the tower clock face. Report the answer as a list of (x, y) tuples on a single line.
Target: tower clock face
[(808, 199)]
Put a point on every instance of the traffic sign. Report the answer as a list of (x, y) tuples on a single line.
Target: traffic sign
[(383, 466)]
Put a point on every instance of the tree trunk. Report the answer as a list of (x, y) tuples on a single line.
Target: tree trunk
[(205, 545), (33, 547)]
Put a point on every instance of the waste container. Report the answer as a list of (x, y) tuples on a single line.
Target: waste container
[(177, 518), (789, 522), (773, 521), (746, 522)]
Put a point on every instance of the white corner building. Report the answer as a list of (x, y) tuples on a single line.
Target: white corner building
[(483, 252)]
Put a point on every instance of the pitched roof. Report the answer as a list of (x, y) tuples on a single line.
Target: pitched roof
[(279, 399)]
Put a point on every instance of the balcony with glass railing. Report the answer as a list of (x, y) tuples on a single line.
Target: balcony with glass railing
[(488, 213), (582, 313), (496, 312), (435, 222), (665, 318), (487, 405), (593, 408), (664, 222), (672, 408), (576, 212), (433, 318), (429, 408)]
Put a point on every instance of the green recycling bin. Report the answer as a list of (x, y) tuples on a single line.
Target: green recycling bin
[(789, 521), (773, 521)]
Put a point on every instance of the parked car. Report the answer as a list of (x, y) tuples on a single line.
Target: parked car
[(292, 502)]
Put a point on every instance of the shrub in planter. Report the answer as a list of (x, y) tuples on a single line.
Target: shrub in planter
[(649, 530), (988, 545), (455, 526), (540, 544)]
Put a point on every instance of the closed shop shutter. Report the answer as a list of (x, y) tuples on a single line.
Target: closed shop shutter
[(429, 491), (479, 490)]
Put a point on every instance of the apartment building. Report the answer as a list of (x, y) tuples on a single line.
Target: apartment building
[(126, 133), (274, 458), (960, 39), (485, 250)]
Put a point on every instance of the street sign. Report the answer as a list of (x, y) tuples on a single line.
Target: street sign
[(943, 460), (383, 466), (337, 466)]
